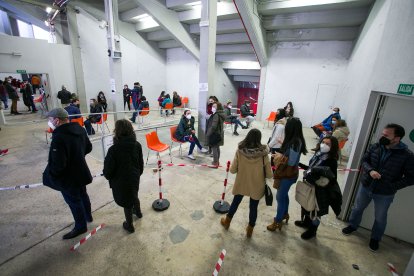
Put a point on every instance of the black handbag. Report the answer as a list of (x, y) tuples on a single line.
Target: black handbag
[(267, 192)]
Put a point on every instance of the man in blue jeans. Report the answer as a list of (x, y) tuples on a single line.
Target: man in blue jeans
[(387, 167)]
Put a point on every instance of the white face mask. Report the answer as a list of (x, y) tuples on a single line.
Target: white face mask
[(213, 109), (188, 116), (229, 106), (51, 125), (325, 148)]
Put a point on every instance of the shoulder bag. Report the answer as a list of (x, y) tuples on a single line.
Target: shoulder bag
[(268, 192), (283, 170), (306, 197)]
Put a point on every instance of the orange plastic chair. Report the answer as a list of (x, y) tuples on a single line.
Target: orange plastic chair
[(101, 122), (173, 139), (341, 145), (144, 112), (77, 120), (271, 118), (153, 143), (184, 101)]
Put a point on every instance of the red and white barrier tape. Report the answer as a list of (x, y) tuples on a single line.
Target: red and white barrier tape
[(225, 183), (82, 241), (191, 165), (219, 262), (30, 186), (339, 170), (392, 269)]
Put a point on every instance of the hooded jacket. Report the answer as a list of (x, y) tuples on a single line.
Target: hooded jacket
[(215, 125), (395, 165), (248, 164), (278, 134), (67, 167), (327, 123), (184, 127), (123, 168)]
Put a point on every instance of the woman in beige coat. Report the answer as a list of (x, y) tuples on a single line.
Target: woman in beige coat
[(252, 165)]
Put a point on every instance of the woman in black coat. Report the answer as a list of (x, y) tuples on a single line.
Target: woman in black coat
[(123, 167), (322, 172)]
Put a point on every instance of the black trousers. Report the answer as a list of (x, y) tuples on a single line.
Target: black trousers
[(126, 101), (136, 208)]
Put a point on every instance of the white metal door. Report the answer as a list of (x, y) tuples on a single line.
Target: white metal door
[(324, 102), (400, 218)]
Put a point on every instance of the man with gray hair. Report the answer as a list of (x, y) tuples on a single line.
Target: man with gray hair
[(67, 170)]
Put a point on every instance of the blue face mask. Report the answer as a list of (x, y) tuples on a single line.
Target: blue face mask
[(334, 122)]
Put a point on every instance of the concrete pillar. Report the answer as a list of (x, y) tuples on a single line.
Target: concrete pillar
[(77, 61), (115, 60), (208, 26), (260, 115)]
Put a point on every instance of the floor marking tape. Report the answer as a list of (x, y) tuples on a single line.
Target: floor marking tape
[(219, 262), (82, 241)]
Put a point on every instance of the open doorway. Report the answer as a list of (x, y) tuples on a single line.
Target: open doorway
[(381, 110)]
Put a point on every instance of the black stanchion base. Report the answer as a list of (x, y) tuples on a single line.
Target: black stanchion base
[(159, 206), (221, 209)]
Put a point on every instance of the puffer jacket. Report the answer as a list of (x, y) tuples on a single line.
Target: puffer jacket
[(215, 125), (396, 168), (248, 164), (341, 133)]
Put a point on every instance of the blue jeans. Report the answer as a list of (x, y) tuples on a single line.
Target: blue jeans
[(381, 205), (282, 198), (80, 206), (4, 99), (193, 142), (252, 207)]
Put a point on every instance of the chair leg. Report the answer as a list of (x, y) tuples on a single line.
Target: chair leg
[(107, 127), (147, 156), (170, 158), (180, 151)]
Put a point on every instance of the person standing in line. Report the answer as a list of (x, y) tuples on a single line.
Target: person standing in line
[(102, 100), (215, 132), (278, 132), (3, 95), (387, 166), (293, 146), (28, 93), (64, 96), (123, 168), (11, 91), (67, 170), (35, 81), (127, 96), (251, 166), (289, 111)]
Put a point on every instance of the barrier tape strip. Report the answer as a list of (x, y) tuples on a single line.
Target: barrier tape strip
[(82, 241), (339, 170), (191, 165), (219, 263), (30, 186), (225, 183), (392, 269)]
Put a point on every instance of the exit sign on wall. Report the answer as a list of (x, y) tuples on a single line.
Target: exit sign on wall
[(406, 89)]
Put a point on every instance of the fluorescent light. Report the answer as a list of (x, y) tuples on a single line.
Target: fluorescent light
[(47, 23), (48, 9), (196, 3)]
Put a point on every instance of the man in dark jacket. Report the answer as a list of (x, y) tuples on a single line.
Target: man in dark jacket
[(67, 170), (232, 118), (245, 113), (12, 96), (388, 166), (127, 96), (73, 109), (64, 96)]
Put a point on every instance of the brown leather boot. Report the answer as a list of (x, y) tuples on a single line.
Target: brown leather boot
[(225, 221), (286, 218), (275, 225), (249, 230)]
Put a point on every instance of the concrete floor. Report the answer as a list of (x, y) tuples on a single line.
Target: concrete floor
[(186, 239)]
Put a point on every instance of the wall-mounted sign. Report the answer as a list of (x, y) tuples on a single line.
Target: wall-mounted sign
[(412, 135), (21, 71), (405, 89)]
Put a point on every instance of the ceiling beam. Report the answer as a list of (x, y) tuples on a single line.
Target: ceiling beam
[(159, 35), (252, 23), (169, 20), (181, 4), (321, 19), (236, 38), (245, 65), (234, 49), (167, 44), (339, 34), (223, 27), (225, 10), (295, 6), (240, 72), (236, 57), (130, 14), (246, 78), (21, 12)]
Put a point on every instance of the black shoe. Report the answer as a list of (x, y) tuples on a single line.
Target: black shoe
[(235, 133), (138, 214), (244, 127), (348, 230), (302, 224), (373, 245), (129, 227), (89, 219), (309, 234), (74, 233)]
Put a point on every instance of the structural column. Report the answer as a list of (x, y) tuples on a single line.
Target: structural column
[(208, 26), (114, 53)]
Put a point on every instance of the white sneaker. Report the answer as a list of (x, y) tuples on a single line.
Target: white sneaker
[(203, 150), (191, 157)]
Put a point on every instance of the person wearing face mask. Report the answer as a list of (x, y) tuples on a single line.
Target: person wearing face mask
[(67, 170), (327, 125), (186, 133), (215, 131), (233, 118), (245, 113), (95, 107), (387, 166), (322, 173)]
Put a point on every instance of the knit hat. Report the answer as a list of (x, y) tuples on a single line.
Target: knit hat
[(58, 113), (229, 101)]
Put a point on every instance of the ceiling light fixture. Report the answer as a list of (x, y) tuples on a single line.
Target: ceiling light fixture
[(48, 9)]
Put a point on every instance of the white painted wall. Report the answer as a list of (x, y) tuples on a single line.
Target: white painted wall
[(183, 76), (295, 71), (39, 56)]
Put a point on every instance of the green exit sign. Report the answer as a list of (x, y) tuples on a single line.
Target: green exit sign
[(406, 89), (21, 71)]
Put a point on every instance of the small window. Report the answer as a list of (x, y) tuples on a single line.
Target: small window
[(40, 33), (25, 30)]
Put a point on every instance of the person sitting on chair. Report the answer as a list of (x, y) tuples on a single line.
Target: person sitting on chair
[(95, 107), (233, 118), (245, 113), (326, 125)]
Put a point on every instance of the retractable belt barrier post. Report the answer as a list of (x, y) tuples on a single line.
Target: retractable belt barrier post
[(221, 206), (160, 204)]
